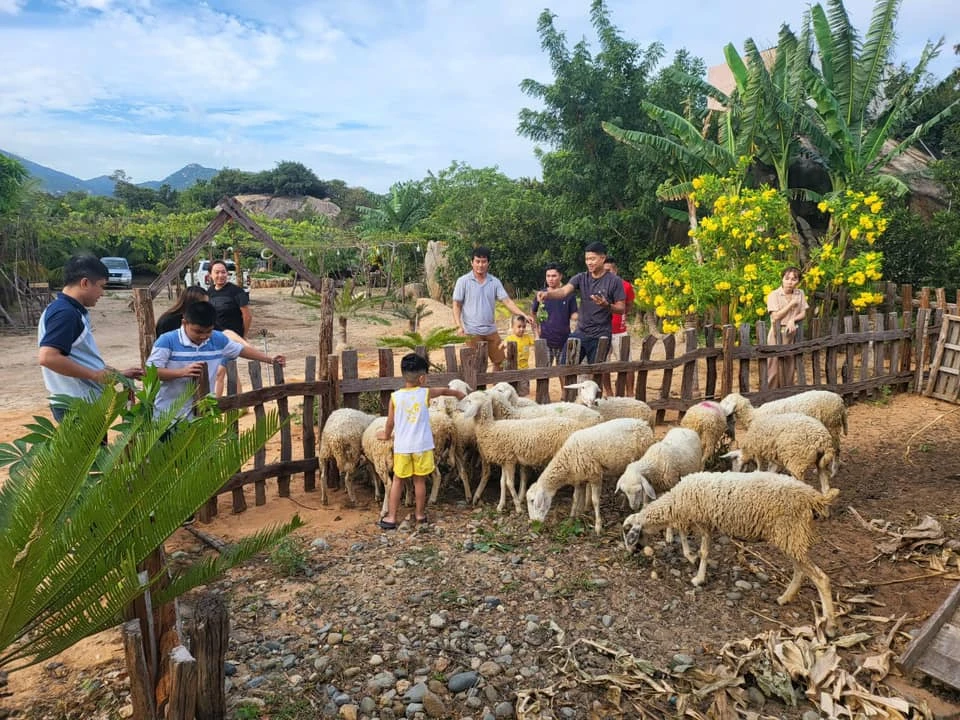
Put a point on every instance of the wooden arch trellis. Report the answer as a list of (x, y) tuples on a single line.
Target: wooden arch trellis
[(230, 209)]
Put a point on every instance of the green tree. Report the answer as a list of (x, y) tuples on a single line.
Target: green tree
[(13, 181), (846, 87), (399, 211), (602, 190), (78, 517)]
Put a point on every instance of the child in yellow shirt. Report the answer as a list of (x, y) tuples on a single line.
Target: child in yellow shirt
[(524, 343)]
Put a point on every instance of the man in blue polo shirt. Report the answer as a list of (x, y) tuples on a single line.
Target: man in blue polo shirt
[(179, 356), (69, 359), (475, 297)]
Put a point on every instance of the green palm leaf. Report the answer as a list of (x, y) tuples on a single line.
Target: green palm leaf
[(78, 518)]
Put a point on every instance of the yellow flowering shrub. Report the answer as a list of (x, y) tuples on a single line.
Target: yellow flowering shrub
[(745, 241), (845, 257)]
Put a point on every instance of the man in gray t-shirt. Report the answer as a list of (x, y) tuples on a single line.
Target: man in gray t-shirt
[(475, 297), (601, 297)]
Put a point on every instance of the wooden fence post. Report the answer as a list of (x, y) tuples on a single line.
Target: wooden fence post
[(209, 509), (541, 359), (309, 438), (210, 639), (141, 682), (726, 370), (146, 325), (573, 358), (286, 440), (183, 684), (468, 366), (669, 350), (385, 369), (260, 415)]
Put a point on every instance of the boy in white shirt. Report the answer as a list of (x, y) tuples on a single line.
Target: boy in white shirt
[(409, 421)]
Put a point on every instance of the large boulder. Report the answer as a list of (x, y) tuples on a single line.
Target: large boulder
[(435, 265), (279, 207)]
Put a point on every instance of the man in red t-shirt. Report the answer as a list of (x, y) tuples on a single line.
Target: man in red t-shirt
[(620, 329)]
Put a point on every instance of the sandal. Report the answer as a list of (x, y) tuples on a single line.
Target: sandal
[(386, 525), (423, 520)]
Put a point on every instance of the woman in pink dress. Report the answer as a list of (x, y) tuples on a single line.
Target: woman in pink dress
[(787, 306)]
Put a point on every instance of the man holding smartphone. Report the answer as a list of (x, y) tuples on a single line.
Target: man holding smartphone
[(601, 297)]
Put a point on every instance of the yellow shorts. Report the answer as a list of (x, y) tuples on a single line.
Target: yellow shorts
[(408, 464)]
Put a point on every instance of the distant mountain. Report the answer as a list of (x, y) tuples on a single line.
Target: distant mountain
[(59, 183), (182, 178)]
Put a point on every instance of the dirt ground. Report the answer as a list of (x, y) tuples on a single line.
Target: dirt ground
[(899, 465)]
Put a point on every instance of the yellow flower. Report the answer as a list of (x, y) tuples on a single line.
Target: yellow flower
[(737, 317), (865, 222), (691, 308), (697, 183), (660, 310), (871, 238), (858, 278), (876, 207), (761, 311), (722, 285), (854, 233), (822, 206), (658, 300), (838, 280)]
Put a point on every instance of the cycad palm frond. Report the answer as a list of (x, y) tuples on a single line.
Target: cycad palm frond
[(78, 518), (433, 340)]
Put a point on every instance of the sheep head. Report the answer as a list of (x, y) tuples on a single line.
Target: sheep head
[(636, 487), (736, 459), (588, 392), (538, 502), (632, 532)]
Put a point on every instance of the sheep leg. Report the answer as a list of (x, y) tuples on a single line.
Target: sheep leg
[(506, 486), (347, 473), (595, 493), (387, 481), (689, 554), (323, 482), (521, 494), (484, 479), (822, 582), (701, 575), (434, 485), (460, 461), (577, 501)]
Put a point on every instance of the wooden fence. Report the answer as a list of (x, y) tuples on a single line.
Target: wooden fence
[(855, 356)]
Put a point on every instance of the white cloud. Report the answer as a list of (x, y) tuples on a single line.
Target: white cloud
[(371, 91), (11, 7)]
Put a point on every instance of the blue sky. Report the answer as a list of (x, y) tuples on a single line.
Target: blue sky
[(368, 91)]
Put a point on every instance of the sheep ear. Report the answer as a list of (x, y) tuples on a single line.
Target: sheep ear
[(648, 488), (575, 386)]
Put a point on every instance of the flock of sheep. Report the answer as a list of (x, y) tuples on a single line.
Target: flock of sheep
[(580, 444)]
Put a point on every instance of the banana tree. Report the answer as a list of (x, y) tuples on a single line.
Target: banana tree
[(78, 517), (846, 88)]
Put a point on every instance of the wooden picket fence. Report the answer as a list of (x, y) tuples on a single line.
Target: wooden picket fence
[(856, 356)]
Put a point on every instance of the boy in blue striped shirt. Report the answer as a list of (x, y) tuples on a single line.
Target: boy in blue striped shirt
[(179, 355)]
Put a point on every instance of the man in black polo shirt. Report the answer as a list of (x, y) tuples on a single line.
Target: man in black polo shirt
[(601, 297)]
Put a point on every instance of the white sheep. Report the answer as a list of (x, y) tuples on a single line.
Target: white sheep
[(661, 467), (510, 393), (530, 442), (589, 394), (504, 410), (585, 457), (791, 441), (825, 406), (752, 506), (340, 440), (449, 402), (710, 420)]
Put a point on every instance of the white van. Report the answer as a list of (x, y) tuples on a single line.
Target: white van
[(201, 275)]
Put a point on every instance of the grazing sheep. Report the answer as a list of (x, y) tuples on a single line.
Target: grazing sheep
[(508, 443), (825, 406), (588, 394), (791, 441), (503, 410), (661, 467), (752, 506), (585, 457), (509, 392), (340, 441), (710, 420)]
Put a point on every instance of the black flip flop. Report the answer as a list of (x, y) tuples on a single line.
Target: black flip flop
[(386, 525), (423, 521)]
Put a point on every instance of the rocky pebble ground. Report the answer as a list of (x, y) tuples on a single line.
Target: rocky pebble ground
[(473, 616)]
